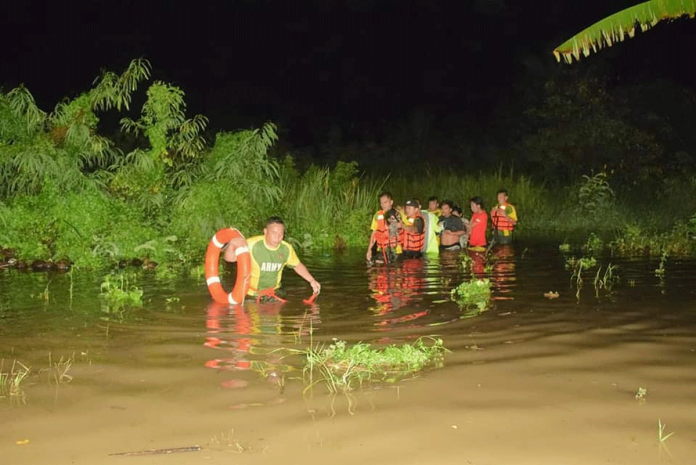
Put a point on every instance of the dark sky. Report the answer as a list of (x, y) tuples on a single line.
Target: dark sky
[(310, 64)]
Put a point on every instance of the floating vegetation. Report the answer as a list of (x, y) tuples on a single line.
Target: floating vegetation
[(343, 369), (641, 394), (466, 261), (474, 294), (579, 264)]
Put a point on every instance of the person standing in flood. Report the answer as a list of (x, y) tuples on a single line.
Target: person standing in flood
[(379, 239), (452, 228), (504, 219), (414, 230), (269, 255), (434, 206), (478, 224)]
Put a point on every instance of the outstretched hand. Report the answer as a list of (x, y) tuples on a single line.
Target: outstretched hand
[(316, 287)]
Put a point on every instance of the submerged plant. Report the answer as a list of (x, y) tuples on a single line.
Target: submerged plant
[(473, 294), (343, 368)]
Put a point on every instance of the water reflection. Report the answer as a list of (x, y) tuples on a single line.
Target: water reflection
[(249, 334), (503, 276)]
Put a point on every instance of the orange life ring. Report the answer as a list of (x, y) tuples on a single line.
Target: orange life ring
[(212, 260)]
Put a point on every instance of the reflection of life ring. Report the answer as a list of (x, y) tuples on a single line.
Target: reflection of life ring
[(212, 259)]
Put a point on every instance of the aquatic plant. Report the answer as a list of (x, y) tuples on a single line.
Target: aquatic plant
[(118, 292), (661, 437), (11, 381), (641, 393), (466, 261), (473, 294), (564, 248), (606, 281), (343, 368), (58, 371), (594, 245), (660, 270)]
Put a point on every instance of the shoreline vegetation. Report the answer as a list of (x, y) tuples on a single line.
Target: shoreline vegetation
[(153, 194)]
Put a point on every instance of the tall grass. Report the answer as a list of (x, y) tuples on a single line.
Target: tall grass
[(527, 196), (328, 208)]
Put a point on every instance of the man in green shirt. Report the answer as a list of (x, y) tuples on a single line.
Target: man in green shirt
[(269, 255)]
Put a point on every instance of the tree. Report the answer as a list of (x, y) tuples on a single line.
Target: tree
[(616, 27)]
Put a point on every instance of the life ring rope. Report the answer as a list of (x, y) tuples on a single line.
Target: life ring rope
[(212, 261)]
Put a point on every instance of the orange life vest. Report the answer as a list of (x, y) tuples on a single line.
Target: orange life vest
[(501, 222), (382, 231), (413, 241), (382, 237)]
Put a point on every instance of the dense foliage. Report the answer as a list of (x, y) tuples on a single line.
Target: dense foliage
[(160, 188)]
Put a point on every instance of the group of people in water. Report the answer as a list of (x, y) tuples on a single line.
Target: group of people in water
[(409, 231), (406, 231)]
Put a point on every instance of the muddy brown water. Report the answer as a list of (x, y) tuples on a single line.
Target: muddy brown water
[(529, 381)]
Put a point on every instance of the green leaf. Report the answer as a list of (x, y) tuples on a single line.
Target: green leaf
[(614, 28)]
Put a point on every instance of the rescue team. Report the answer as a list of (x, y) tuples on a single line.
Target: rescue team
[(410, 232), (407, 232)]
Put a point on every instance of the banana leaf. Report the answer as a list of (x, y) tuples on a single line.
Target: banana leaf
[(616, 27)]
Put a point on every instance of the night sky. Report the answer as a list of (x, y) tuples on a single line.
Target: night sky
[(310, 65)]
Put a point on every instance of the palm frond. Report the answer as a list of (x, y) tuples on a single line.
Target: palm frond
[(113, 91), (617, 27), (23, 104)]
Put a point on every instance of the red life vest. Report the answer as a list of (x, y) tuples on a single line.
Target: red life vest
[(413, 241), (500, 221)]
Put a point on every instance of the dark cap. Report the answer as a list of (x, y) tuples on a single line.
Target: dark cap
[(412, 203)]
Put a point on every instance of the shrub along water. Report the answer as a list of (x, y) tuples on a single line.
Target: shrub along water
[(68, 192)]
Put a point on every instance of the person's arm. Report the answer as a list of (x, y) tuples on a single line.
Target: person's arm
[(470, 225), (233, 245), (302, 270), (373, 239), (512, 216)]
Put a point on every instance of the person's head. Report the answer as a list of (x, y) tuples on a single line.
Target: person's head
[(412, 206), (457, 211), (476, 204), (432, 203), (446, 207), (274, 232), (502, 196), (386, 201)]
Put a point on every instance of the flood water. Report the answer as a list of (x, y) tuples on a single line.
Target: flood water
[(531, 380)]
